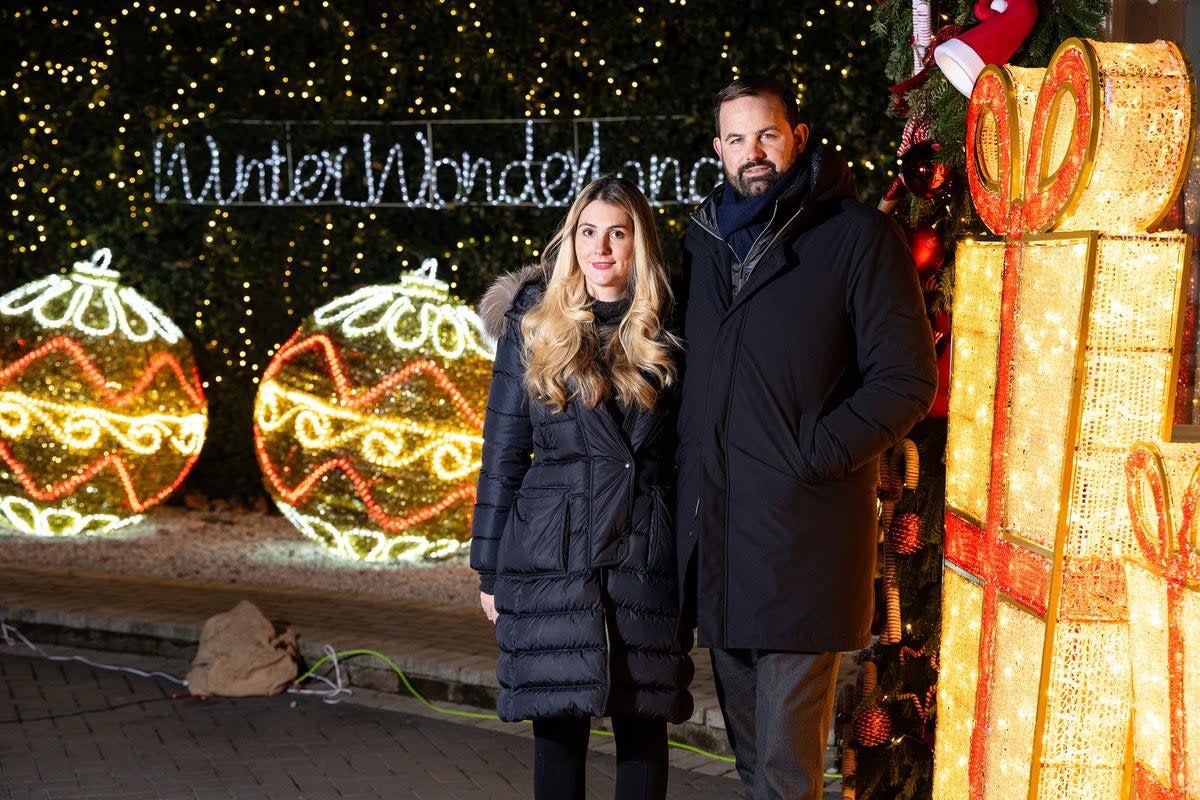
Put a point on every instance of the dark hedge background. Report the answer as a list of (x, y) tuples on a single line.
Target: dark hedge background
[(84, 93)]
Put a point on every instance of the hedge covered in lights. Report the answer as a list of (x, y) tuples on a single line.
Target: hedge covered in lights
[(92, 95)]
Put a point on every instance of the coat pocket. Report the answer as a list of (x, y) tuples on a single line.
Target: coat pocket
[(537, 536), (550, 429)]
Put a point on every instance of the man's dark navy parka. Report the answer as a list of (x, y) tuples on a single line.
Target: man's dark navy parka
[(793, 388)]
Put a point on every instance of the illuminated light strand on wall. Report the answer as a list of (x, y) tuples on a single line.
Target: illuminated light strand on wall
[(109, 461), (375, 309), (54, 92), (549, 91), (86, 280), (25, 516), (155, 364), (550, 180), (346, 394), (81, 428), (347, 543), (384, 442)]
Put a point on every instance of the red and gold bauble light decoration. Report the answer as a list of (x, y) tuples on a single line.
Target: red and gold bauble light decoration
[(101, 408), (369, 421)]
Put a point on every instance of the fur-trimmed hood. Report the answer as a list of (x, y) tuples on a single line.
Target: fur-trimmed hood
[(493, 308)]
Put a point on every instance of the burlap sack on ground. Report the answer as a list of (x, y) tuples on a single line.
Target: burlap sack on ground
[(242, 654)]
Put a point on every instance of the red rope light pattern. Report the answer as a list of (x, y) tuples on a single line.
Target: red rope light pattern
[(156, 364), (111, 460), (362, 488), (346, 394), (347, 397)]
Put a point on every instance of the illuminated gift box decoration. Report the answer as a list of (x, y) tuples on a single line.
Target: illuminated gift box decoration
[(1163, 575), (368, 422), (1065, 335), (101, 409)]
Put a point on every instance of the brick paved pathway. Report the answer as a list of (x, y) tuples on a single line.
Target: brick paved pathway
[(68, 730)]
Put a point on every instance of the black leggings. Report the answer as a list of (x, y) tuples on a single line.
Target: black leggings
[(560, 746)]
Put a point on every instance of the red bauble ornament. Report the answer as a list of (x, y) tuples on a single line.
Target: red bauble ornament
[(102, 411), (904, 534), (872, 727), (927, 250), (923, 174)]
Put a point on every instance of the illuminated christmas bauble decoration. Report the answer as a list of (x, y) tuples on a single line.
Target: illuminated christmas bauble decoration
[(369, 421), (101, 409)]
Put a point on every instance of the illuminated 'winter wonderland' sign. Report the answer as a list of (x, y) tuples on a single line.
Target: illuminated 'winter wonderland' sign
[(375, 173)]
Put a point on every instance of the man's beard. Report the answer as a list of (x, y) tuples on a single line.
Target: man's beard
[(753, 187)]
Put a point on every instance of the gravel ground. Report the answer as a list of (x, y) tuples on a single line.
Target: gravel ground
[(237, 546)]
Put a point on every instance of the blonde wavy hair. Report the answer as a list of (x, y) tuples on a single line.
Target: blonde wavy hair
[(564, 357)]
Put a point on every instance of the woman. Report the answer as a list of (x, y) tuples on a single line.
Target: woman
[(572, 536)]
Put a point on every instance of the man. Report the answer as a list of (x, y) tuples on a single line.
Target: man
[(808, 355)]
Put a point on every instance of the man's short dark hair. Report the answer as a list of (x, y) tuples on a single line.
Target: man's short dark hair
[(758, 86)]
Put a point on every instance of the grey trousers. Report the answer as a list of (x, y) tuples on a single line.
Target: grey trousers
[(778, 707)]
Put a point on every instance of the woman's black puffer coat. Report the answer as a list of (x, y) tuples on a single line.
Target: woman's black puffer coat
[(573, 535)]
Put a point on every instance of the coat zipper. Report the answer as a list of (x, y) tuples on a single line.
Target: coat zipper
[(605, 601), (607, 654), (566, 538), (725, 436), (603, 574), (737, 350), (696, 219), (630, 463)]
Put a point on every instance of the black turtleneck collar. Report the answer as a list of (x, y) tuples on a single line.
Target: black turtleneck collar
[(609, 312)]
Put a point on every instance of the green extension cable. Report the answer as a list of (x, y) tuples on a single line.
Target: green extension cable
[(474, 714), (491, 717)]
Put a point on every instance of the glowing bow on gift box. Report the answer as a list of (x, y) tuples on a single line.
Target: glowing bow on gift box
[(1064, 344)]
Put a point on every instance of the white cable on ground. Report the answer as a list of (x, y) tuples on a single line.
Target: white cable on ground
[(8, 631), (337, 688)]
